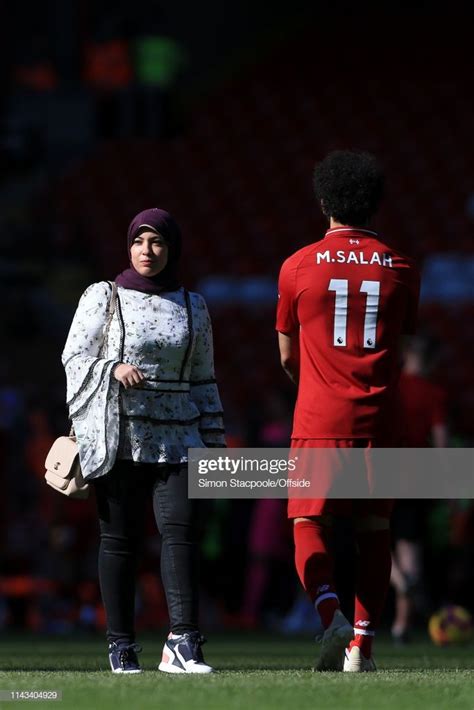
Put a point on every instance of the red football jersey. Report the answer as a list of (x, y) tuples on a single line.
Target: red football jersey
[(351, 297)]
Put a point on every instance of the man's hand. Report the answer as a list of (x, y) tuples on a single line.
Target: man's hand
[(290, 355), (128, 375)]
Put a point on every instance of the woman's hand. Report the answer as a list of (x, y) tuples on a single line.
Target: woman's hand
[(128, 375)]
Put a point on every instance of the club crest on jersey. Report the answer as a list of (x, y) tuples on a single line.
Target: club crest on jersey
[(354, 257)]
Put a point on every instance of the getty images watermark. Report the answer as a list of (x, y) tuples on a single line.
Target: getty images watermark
[(248, 473), (356, 473)]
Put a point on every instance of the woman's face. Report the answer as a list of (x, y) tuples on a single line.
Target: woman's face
[(149, 253)]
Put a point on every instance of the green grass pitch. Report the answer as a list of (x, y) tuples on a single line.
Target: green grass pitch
[(256, 672)]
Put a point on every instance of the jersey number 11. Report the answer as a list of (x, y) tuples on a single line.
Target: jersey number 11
[(341, 288)]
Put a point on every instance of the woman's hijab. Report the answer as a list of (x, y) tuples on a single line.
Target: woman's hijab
[(162, 222)]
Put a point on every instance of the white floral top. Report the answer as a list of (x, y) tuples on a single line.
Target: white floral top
[(169, 338)]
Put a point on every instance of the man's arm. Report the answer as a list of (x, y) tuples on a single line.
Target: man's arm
[(287, 323), (290, 355)]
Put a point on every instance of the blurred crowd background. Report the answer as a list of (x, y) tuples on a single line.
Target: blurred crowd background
[(218, 112)]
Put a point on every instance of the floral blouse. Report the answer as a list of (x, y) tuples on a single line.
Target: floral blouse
[(169, 338)]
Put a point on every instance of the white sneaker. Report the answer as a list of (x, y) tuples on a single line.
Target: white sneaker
[(334, 641), (355, 662), (183, 654)]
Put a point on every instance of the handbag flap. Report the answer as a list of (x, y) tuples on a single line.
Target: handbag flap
[(62, 456), (70, 487), (56, 481)]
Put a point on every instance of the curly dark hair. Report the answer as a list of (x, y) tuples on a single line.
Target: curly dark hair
[(349, 185)]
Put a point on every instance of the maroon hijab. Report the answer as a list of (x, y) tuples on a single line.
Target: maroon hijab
[(167, 280)]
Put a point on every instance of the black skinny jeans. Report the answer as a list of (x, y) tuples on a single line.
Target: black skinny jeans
[(121, 500)]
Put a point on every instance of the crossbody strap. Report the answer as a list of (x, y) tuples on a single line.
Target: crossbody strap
[(189, 311), (110, 311)]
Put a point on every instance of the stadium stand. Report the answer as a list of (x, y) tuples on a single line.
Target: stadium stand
[(239, 182)]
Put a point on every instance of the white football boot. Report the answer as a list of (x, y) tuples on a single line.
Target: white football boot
[(183, 654), (355, 662), (334, 640)]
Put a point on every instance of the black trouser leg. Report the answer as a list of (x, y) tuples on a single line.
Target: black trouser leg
[(121, 495), (175, 518)]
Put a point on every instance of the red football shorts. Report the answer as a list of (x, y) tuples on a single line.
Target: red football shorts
[(333, 465)]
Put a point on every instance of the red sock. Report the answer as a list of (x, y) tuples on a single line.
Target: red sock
[(373, 578), (314, 565)]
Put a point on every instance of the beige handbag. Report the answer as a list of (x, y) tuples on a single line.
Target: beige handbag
[(63, 468)]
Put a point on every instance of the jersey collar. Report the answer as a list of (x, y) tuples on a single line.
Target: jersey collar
[(349, 231)]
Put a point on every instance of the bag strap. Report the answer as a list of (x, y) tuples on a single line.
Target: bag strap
[(110, 311), (113, 300), (189, 311)]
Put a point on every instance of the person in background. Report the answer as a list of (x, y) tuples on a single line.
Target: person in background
[(141, 390), (424, 418), (269, 535)]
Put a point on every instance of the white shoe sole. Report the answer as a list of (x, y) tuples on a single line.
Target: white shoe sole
[(170, 668), (122, 672)]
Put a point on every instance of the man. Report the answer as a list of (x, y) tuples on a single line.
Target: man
[(424, 423), (344, 303)]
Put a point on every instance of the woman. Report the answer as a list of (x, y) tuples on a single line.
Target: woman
[(141, 391)]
